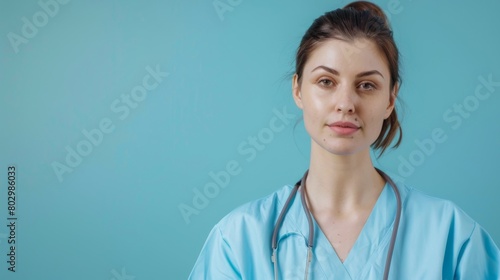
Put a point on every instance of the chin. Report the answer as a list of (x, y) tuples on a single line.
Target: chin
[(344, 149), (342, 146), (344, 152)]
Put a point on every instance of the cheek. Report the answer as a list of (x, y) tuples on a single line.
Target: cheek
[(375, 119), (310, 118), (377, 126), (313, 114)]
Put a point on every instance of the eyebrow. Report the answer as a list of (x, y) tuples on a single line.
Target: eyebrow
[(362, 74)]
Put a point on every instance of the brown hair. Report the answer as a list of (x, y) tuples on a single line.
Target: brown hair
[(358, 19)]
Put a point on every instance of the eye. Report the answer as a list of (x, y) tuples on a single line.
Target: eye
[(325, 83), (367, 86)]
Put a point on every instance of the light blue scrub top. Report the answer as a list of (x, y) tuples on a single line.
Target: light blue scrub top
[(436, 240)]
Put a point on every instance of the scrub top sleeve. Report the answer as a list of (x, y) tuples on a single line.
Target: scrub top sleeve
[(479, 257), (216, 260)]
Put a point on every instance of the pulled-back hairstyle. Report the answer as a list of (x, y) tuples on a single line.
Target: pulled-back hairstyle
[(357, 20)]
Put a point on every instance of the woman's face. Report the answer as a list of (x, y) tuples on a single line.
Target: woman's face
[(345, 95)]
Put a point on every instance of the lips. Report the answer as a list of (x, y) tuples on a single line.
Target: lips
[(344, 128)]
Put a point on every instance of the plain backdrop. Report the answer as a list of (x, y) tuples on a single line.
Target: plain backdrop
[(119, 116)]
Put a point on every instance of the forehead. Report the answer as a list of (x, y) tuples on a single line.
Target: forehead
[(348, 56)]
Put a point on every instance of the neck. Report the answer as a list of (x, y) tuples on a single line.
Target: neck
[(342, 185)]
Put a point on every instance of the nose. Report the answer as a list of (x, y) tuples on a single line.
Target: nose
[(345, 101)]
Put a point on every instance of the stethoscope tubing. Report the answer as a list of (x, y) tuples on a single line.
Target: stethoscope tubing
[(310, 239), (396, 223)]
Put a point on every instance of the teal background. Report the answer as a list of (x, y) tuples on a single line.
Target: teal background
[(116, 215)]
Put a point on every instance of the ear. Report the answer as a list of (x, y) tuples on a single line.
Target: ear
[(392, 100), (297, 95)]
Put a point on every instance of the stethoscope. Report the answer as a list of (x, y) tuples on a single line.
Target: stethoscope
[(310, 241)]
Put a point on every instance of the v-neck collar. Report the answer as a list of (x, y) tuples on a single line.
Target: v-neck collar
[(372, 240)]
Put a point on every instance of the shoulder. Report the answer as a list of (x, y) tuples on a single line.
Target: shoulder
[(259, 212), (428, 203), (454, 244), (435, 213)]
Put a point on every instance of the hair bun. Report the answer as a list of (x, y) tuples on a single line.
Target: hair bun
[(374, 9)]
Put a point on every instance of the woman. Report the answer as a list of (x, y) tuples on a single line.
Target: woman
[(346, 219)]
